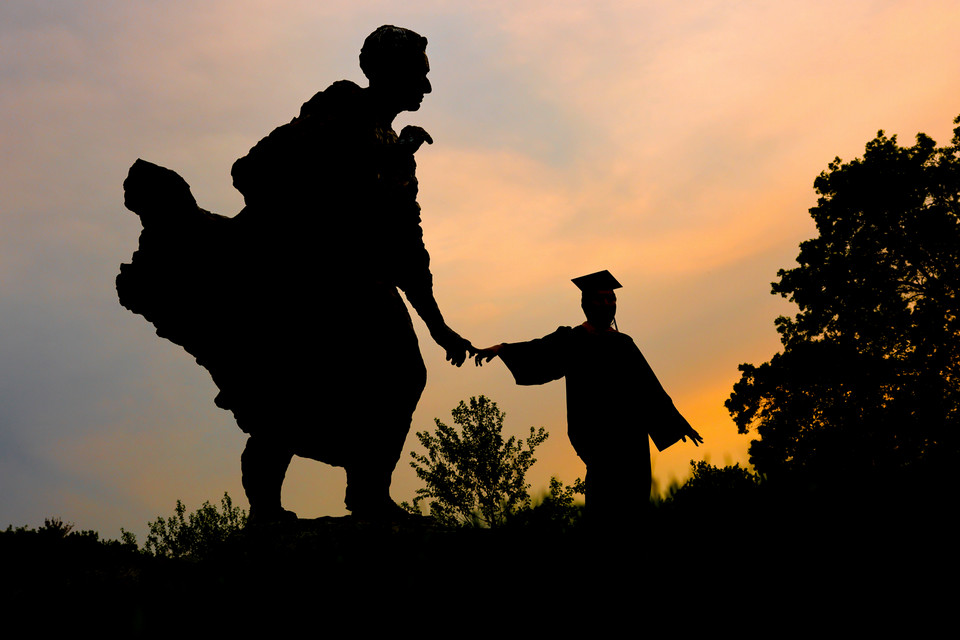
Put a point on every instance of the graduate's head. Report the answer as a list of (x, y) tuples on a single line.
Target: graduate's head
[(597, 299), (395, 61)]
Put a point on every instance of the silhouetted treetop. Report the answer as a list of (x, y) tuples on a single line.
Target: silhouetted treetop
[(868, 374), (473, 474)]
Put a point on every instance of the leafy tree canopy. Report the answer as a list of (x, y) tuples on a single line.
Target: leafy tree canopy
[(867, 379), (472, 474)]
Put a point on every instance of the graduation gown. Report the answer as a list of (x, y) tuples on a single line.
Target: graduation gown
[(613, 397)]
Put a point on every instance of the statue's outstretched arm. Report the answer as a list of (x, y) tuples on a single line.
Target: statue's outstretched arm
[(425, 304)]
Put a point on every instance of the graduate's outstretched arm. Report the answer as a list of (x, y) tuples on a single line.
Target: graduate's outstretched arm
[(691, 433)]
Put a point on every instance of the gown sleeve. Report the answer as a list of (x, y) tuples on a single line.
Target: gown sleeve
[(538, 361), (666, 425)]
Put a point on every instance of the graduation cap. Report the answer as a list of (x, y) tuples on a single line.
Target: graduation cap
[(599, 281)]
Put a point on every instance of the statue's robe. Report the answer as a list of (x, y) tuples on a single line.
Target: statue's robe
[(292, 304)]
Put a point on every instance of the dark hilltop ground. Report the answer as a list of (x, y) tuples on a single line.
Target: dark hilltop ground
[(758, 564)]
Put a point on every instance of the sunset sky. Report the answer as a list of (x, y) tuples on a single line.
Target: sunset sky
[(673, 143)]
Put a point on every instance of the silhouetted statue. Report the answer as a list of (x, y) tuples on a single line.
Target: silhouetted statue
[(292, 305), (613, 399)]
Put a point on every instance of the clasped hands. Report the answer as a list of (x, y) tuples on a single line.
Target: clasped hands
[(458, 348)]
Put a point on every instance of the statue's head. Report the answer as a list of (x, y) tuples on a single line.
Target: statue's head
[(395, 61)]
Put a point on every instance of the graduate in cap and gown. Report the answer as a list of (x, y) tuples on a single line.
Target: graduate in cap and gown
[(614, 399)]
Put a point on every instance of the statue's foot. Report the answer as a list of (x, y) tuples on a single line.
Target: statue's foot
[(259, 516)]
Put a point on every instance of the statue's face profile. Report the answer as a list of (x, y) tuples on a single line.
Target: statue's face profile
[(600, 307), (404, 83)]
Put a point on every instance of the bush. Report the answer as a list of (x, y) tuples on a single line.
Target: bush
[(474, 476), (712, 488), (193, 535)]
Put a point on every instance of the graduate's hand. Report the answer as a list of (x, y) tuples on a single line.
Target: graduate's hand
[(486, 355), (693, 435)]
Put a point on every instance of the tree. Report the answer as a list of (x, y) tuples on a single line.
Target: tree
[(194, 535), (472, 475), (868, 377)]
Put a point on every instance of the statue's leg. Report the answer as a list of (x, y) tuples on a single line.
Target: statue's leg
[(370, 474), (264, 465), (368, 490), (369, 478)]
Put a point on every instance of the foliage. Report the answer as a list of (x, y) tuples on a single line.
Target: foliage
[(472, 475), (127, 537), (557, 510), (193, 535), (56, 529), (868, 376), (711, 487)]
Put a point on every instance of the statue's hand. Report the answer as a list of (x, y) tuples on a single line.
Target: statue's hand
[(413, 136), (456, 347)]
